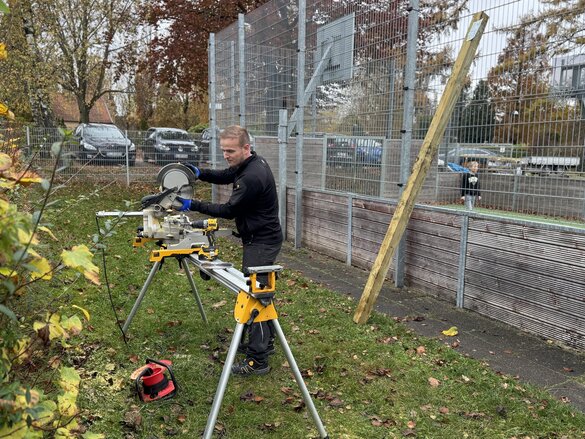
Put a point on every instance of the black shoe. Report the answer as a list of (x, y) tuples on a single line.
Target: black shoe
[(250, 367)]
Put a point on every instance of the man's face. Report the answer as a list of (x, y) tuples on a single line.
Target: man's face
[(233, 153)]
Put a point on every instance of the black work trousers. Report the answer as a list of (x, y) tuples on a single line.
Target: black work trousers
[(260, 335)]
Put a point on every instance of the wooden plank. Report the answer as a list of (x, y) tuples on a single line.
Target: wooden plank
[(569, 240), (441, 268), (525, 298), (420, 168), (572, 338), (498, 261), (449, 259), (447, 294), (547, 251)]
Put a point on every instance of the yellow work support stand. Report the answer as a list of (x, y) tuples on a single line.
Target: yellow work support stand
[(158, 257), (256, 306)]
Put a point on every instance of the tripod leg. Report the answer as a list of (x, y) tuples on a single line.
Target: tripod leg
[(193, 288), (299, 379), (155, 267), (225, 375)]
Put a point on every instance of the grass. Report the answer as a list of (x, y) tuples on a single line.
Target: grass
[(378, 380)]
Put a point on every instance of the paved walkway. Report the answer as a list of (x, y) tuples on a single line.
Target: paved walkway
[(506, 349)]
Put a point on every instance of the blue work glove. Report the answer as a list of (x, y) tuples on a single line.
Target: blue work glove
[(185, 204), (193, 168)]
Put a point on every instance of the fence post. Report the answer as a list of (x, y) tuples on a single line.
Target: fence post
[(242, 66), (28, 146), (460, 296), (349, 228), (406, 145), (300, 122), (127, 159), (212, 115), (282, 151), (233, 80), (515, 192)]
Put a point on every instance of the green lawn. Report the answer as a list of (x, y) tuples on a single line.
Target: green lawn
[(377, 380)]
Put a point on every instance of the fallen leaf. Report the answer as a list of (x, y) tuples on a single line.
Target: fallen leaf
[(433, 382), (451, 332), (336, 402), (443, 410), (421, 350), (219, 304)]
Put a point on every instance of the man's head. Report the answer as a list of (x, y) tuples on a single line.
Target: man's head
[(235, 145)]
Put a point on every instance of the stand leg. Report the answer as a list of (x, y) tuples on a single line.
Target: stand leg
[(299, 379), (155, 268), (225, 375), (193, 288)]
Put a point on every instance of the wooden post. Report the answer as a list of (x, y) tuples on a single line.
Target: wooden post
[(420, 168)]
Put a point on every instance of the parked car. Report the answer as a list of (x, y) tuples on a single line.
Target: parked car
[(170, 145), (460, 156), (368, 151), (101, 143), (340, 152), (350, 151)]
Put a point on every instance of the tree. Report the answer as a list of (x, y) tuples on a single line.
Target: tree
[(478, 116), (178, 54), (522, 73), (26, 79), (85, 41)]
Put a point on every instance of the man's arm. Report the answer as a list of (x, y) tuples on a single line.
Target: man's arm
[(217, 176), (241, 199)]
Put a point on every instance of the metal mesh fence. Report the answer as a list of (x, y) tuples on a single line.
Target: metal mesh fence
[(46, 150), (520, 115)]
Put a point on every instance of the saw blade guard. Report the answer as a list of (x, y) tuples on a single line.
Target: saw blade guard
[(175, 180)]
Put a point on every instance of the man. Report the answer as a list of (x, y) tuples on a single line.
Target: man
[(254, 205)]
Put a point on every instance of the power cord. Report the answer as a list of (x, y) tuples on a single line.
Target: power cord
[(108, 287)]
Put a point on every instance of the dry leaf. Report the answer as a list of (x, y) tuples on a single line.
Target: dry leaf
[(433, 382), (219, 304)]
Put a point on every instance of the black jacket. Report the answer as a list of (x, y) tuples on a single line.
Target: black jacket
[(253, 203), (470, 184)]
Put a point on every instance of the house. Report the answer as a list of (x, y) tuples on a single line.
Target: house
[(66, 112)]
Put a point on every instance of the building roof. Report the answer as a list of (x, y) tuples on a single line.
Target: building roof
[(65, 108)]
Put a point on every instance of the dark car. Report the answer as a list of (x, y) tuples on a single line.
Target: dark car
[(340, 152), (170, 145), (104, 143), (350, 151), (368, 151)]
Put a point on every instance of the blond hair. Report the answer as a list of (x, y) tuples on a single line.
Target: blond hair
[(236, 132)]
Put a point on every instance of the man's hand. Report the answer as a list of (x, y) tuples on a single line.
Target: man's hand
[(181, 204), (193, 168)]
